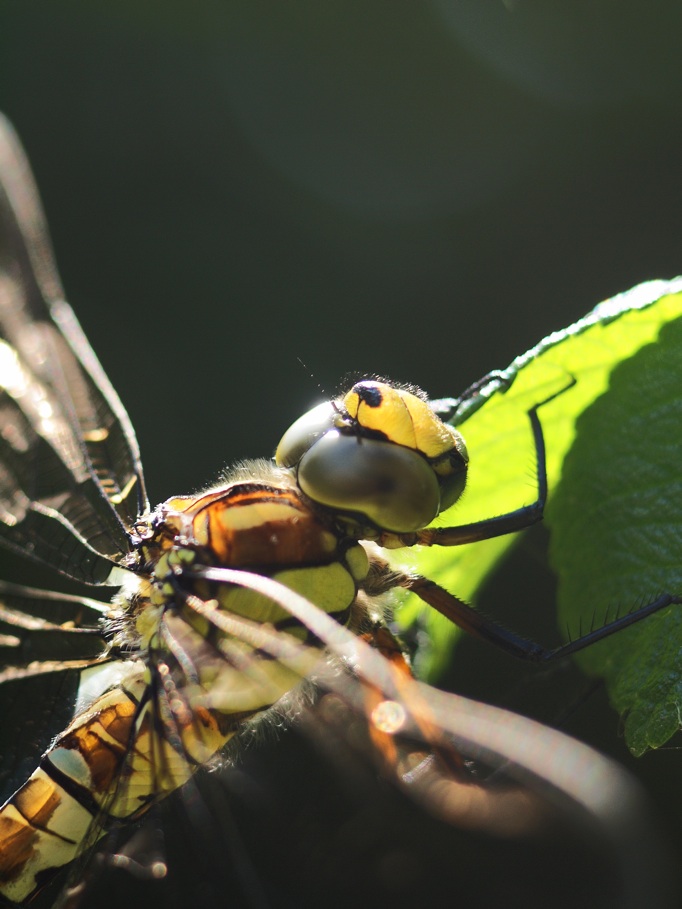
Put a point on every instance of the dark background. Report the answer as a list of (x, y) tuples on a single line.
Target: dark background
[(421, 190)]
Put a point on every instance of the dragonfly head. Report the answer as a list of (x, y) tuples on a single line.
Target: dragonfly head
[(378, 451)]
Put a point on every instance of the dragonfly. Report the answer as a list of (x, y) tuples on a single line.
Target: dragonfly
[(227, 601)]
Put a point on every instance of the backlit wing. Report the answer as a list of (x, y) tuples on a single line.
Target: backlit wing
[(71, 481), (46, 640)]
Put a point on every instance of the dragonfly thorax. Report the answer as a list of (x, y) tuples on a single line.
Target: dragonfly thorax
[(263, 525)]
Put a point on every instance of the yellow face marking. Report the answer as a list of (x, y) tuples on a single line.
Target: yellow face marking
[(391, 416), (403, 418)]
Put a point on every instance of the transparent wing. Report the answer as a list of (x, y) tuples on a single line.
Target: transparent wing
[(38, 627), (46, 641), (71, 481)]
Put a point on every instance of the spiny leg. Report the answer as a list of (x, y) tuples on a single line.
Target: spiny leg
[(485, 628)]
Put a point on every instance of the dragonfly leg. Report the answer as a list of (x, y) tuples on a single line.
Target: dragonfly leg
[(500, 525), (485, 628)]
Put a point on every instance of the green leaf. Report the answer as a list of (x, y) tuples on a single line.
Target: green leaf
[(503, 472), (616, 526)]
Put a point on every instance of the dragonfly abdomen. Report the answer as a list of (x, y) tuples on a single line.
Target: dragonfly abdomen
[(112, 762)]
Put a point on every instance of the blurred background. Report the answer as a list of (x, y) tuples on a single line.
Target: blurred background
[(418, 190)]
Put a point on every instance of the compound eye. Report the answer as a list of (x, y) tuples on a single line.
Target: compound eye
[(303, 433), (451, 470), (394, 487), (452, 487)]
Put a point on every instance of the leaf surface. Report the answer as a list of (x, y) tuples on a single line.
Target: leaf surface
[(613, 447)]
